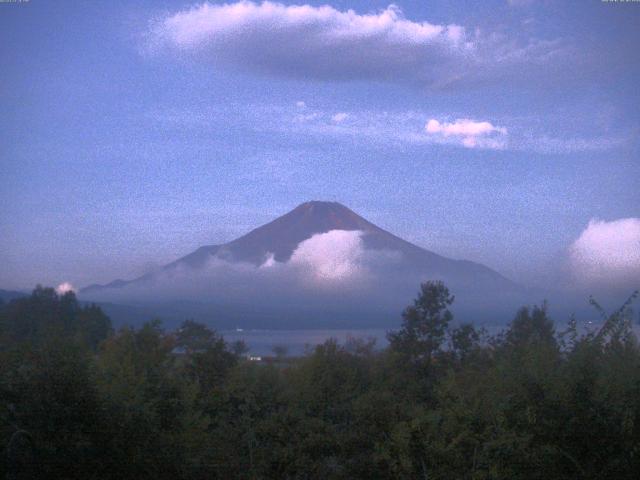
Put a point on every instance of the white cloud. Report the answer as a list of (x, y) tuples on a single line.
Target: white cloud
[(608, 252), (339, 117), (463, 127), (332, 256), (64, 288), (469, 133), (326, 43), (301, 104), (269, 262)]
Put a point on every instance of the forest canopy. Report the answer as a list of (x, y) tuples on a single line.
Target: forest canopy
[(442, 401)]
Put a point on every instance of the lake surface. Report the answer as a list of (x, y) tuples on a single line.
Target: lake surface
[(297, 342), (262, 342)]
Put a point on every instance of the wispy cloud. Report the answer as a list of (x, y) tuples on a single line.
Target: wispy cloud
[(421, 128), (416, 127), (548, 144), (339, 117), (330, 44)]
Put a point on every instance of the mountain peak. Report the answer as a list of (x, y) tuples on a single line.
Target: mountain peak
[(320, 208), (281, 236), (318, 216), (311, 204)]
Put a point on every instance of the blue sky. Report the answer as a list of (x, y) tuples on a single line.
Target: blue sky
[(133, 132)]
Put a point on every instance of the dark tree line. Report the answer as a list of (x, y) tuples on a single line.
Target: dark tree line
[(80, 401)]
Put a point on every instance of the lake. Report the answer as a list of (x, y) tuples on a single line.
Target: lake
[(262, 342)]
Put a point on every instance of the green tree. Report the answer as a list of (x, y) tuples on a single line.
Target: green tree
[(156, 427), (45, 314), (531, 326), (424, 324), (194, 337), (51, 395), (207, 357)]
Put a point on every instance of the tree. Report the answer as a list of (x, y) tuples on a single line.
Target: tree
[(44, 315), (280, 351), (424, 324), (239, 348), (463, 340), (156, 427), (207, 356), (53, 398), (194, 337), (94, 326), (531, 326)]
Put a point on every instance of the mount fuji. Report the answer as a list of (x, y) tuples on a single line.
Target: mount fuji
[(321, 264)]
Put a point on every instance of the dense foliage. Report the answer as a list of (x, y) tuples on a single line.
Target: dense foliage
[(78, 400)]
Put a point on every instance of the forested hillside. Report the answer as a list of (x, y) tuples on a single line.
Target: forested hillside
[(443, 401)]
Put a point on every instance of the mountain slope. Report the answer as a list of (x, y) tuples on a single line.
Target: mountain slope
[(8, 295)]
